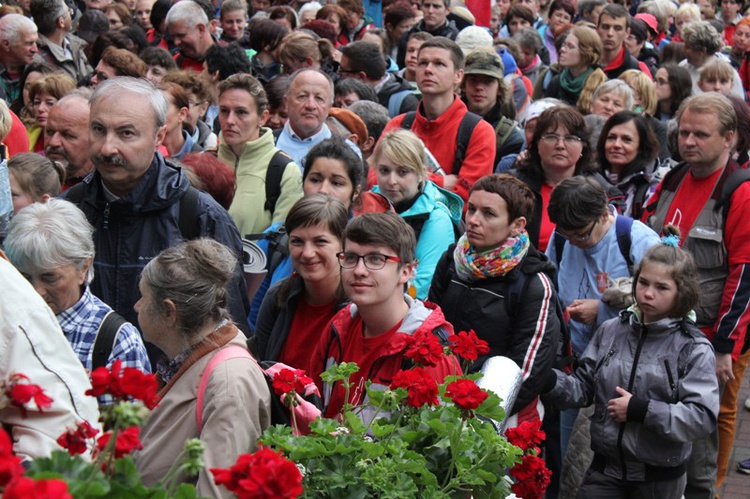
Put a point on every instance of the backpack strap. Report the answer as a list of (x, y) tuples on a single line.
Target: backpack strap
[(105, 339), (408, 120), (733, 181), (278, 247), (274, 173), (503, 131), (465, 130), (277, 134), (188, 222), (226, 353), (559, 248), (396, 100), (623, 228)]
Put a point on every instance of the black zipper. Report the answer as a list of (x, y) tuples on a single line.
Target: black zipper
[(631, 381), (670, 378)]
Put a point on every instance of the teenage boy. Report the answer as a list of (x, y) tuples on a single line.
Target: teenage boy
[(375, 329)]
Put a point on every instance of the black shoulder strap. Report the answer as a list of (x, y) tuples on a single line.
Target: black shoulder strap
[(623, 228), (105, 339), (503, 130), (408, 120), (188, 222), (276, 134), (416, 222), (465, 129), (559, 247), (733, 181), (274, 173)]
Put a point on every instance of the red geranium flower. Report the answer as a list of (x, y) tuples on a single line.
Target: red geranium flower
[(425, 349), (264, 474), (10, 465), (532, 477), (468, 345), (21, 392), (526, 435), (465, 394), (290, 380), (127, 441), (421, 387), (123, 383), (76, 441), (24, 488)]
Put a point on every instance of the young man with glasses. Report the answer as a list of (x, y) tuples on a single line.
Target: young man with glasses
[(592, 246), (376, 328)]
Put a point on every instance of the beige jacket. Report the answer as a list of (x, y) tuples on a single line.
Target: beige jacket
[(236, 410)]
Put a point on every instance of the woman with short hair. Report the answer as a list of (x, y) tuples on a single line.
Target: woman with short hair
[(183, 311), (248, 146), (609, 98), (43, 94), (52, 245)]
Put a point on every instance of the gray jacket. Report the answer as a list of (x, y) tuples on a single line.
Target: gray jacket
[(669, 368)]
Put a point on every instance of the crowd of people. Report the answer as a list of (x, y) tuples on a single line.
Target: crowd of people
[(566, 179)]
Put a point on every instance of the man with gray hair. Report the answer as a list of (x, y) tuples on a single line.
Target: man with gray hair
[(66, 135), (18, 36), (57, 45), (139, 203), (189, 28)]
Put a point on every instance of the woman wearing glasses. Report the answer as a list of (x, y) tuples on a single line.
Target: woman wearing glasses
[(497, 283), (559, 149), (296, 310), (593, 247)]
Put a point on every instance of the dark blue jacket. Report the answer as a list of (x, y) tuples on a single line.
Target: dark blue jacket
[(132, 230)]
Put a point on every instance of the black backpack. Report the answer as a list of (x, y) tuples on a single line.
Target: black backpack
[(465, 129)]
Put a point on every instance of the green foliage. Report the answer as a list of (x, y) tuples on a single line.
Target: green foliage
[(404, 452)]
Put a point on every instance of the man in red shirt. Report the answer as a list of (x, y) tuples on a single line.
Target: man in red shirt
[(376, 328), (613, 27), (190, 30), (440, 68), (690, 197)]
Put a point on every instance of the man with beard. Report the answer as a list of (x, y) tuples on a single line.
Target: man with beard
[(66, 135)]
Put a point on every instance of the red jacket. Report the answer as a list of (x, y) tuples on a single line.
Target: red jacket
[(439, 135), (421, 316)]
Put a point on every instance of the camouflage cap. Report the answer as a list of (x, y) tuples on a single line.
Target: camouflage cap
[(480, 62)]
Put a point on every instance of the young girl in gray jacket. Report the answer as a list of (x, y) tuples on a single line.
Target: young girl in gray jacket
[(650, 374)]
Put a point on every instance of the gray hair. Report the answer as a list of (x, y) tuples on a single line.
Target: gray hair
[(46, 13), (619, 87), (188, 12), (115, 87), (12, 24), (44, 236), (193, 275), (296, 74), (529, 38), (374, 115), (701, 35)]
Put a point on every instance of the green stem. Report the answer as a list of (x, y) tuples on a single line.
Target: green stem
[(174, 470), (455, 439)]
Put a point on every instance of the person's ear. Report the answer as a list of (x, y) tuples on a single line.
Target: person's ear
[(518, 226), (85, 270), (160, 134), (263, 118), (368, 145), (170, 311), (458, 78), (60, 22), (183, 114), (309, 62), (406, 272), (355, 139), (44, 198)]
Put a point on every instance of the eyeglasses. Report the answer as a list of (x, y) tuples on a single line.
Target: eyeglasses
[(568, 140), (577, 237), (373, 261)]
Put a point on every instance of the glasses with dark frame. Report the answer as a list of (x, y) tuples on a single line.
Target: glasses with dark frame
[(373, 261), (578, 237)]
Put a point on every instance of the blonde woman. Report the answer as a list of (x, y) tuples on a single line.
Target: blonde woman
[(646, 103), (399, 161), (579, 56)]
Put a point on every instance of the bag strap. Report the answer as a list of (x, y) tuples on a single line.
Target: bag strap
[(188, 222), (465, 130), (395, 102), (226, 353), (274, 173), (623, 228), (408, 120), (105, 339)]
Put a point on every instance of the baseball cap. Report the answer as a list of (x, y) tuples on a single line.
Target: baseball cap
[(92, 24), (480, 62), (650, 21)]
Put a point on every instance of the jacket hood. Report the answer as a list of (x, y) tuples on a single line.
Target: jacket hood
[(162, 185), (536, 262), (431, 197), (395, 84), (634, 317)]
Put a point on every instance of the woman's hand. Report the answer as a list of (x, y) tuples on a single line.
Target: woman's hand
[(618, 408), (584, 311)]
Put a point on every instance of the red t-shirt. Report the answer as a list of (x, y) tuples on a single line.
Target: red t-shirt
[(546, 226), (690, 198), (307, 326), (364, 351)]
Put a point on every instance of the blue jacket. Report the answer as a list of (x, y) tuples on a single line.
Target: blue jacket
[(132, 230), (442, 209)]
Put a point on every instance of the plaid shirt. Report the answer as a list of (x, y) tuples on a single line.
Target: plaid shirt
[(81, 322)]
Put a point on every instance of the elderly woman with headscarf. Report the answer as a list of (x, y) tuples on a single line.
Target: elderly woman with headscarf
[(52, 245)]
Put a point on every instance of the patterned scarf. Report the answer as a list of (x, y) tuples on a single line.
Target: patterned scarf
[(472, 265)]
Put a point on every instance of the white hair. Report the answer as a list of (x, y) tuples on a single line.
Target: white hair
[(188, 12), (115, 87), (12, 24)]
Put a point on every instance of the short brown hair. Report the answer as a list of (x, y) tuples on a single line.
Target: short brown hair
[(383, 229), (56, 85), (441, 42), (576, 202), (124, 62), (516, 194), (193, 82), (250, 84)]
